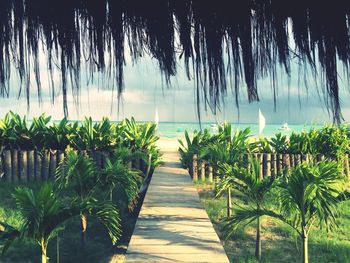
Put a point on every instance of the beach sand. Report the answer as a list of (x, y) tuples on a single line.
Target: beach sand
[(168, 144)]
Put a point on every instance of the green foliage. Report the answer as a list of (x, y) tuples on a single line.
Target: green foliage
[(331, 141), (116, 175), (78, 173), (86, 135), (200, 140), (311, 194), (308, 196), (139, 136), (42, 215), (280, 143)]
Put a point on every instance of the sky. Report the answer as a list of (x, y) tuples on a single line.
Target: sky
[(145, 92)]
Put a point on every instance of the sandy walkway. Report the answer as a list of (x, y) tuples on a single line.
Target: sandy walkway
[(173, 225)]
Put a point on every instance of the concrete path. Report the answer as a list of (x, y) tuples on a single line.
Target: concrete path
[(173, 225)]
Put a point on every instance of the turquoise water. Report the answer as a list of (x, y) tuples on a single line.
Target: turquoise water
[(177, 129)]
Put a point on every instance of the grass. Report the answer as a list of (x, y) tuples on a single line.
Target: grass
[(279, 242), (99, 247)]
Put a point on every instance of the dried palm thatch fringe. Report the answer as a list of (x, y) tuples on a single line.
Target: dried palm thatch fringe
[(219, 41)]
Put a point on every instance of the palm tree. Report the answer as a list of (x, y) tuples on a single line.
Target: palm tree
[(116, 175), (42, 214), (80, 175), (250, 184), (309, 196), (229, 149)]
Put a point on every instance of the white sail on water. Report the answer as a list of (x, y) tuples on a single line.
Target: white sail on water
[(261, 122)]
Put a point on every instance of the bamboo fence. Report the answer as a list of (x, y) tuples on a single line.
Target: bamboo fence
[(270, 164), (32, 165)]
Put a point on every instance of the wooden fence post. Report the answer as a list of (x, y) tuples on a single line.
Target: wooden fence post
[(248, 158), (203, 171), (288, 162), (291, 160), (304, 158), (7, 165), (273, 164), (30, 163), (268, 164), (297, 160), (45, 165), (195, 168), (37, 166), (53, 164), (280, 163), (22, 157), (14, 163), (284, 161), (210, 168)]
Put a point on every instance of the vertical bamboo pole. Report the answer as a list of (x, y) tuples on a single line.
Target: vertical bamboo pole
[(280, 163), (30, 163), (22, 157), (210, 175), (60, 161), (304, 158), (284, 161), (203, 171), (53, 164), (268, 164), (291, 158), (288, 162), (297, 159), (195, 168), (273, 165), (37, 166), (45, 165), (7, 165), (14, 163)]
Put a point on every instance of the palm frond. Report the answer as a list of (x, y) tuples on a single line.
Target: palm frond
[(108, 214)]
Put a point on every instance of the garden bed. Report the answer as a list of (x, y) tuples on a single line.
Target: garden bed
[(97, 249), (279, 241)]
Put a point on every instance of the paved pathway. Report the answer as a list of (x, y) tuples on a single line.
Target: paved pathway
[(173, 225)]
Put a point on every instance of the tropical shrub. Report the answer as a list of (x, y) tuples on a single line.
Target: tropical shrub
[(42, 214), (255, 188), (79, 174), (200, 140)]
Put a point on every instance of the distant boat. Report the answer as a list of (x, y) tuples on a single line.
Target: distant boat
[(261, 122), (214, 128), (284, 127)]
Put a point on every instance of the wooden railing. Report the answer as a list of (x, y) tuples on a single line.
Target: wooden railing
[(270, 164)]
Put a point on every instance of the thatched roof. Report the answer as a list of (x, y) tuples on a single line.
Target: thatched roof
[(216, 41)]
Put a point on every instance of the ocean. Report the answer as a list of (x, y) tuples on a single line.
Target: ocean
[(177, 129)]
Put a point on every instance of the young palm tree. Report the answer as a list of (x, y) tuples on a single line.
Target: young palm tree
[(311, 196), (308, 196), (228, 150), (80, 174), (251, 185), (116, 175), (42, 214)]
